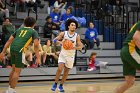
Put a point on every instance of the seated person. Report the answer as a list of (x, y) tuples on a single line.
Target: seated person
[(29, 57), (93, 63), (47, 53), (91, 36), (49, 27), (55, 16), (40, 52), (66, 15), (7, 29), (56, 47)]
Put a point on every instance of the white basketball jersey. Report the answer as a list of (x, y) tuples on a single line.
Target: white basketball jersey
[(73, 39)]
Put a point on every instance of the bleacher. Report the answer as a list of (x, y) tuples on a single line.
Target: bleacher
[(111, 43)]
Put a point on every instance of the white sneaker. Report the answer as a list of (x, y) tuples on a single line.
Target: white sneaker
[(8, 91), (91, 69)]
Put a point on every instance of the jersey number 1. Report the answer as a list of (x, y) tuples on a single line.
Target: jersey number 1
[(22, 33)]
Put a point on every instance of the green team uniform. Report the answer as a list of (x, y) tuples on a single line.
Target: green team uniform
[(22, 38), (130, 53)]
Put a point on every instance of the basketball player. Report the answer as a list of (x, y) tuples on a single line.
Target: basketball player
[(130, 57), (19, 42), (66, 57)]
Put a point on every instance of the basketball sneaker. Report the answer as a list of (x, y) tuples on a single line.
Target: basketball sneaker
[(54, 86), (7, 91), (91, 69), (60, 88)]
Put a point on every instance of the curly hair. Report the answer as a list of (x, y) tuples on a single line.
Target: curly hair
[(69, 21)]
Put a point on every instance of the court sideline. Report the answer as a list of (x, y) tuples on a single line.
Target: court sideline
[(73, 86)]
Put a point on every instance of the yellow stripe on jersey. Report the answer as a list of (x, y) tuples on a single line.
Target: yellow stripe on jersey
[(132, 27), (131, 46), (27, 43)]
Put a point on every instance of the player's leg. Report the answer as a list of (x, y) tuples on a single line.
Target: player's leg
[(61, 64), (15, 77), (16, 60), (65, 75), (129, 81), (129, 71), (11, 74), (59, 71), (68, 65)]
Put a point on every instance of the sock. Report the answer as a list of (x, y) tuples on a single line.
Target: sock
[(61, 84), (55, 83)]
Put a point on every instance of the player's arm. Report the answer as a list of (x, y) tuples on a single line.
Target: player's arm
[(59, 37), (79, 45), (136, 38)]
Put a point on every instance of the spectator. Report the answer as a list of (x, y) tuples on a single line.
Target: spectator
[(55, 16), (91, 36), (66, 15), (29, 57), (49, 27), (91, 61), (60, 4), (3, 12), (30, 4), (34, 4), (48, 55), (33, 52), (7, 29), (56, 48)]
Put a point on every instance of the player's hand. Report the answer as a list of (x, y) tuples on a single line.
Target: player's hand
[(38, 62), (1, 56)]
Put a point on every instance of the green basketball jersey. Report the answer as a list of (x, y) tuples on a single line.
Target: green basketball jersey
[(23, 37), (129, 39)]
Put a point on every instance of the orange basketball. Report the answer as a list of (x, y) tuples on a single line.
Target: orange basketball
[(67, 44)]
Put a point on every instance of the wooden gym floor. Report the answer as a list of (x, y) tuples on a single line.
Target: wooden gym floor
[(73, 86)]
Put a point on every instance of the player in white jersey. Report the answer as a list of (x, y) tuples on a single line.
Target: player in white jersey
[(66, 57)]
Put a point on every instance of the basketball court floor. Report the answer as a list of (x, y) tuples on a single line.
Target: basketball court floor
[(73, 86)]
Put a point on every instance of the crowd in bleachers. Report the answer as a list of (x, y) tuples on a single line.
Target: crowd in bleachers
[(59, 11), (48, 51)]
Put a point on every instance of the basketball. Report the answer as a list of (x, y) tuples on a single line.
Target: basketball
[(67, 44)]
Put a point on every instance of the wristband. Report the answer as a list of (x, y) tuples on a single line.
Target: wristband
[(55, 40)]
